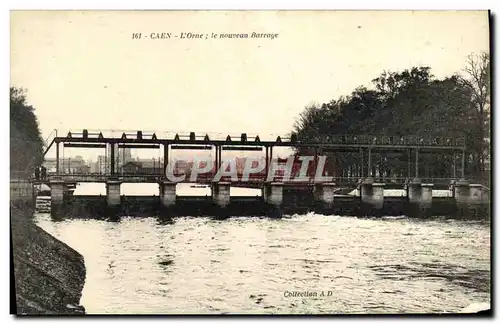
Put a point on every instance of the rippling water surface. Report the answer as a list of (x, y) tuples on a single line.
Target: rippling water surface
[(254, 265)]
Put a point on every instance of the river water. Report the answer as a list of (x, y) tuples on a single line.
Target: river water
[(279, 266)]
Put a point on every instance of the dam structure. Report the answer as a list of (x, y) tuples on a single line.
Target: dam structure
[(296, 184)]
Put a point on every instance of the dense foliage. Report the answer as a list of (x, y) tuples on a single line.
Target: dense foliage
[(26, 145), (409, 103)]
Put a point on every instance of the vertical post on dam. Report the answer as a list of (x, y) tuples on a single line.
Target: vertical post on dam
[(324, 196), (461, 191), (419, 198), (168, 196), (273, 197), (371, 192), (165, 158), (372, 196), (470, 199), (57, 158), (426, 200), (112, 158), (57, 190), (221, 193), (113, 197)]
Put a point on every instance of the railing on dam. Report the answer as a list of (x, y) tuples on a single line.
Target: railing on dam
[(96, 139), (395, 140), (210, 177)]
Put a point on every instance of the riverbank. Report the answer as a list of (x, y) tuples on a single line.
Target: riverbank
[(49, 275)]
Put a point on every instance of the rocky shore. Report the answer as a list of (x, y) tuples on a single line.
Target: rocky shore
[(49, 275)]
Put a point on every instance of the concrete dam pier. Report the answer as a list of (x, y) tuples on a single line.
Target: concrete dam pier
[(465, 201)]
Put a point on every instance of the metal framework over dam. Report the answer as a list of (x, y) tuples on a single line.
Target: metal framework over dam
[(323, 190), (362, 144)]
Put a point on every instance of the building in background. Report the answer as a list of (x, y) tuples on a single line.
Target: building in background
[(142, 166), (101, 165), (123, 156), (94, 167), (74, 164)]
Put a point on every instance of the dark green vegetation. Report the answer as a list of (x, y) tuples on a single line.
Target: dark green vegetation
[(406, 103), (26, 145)]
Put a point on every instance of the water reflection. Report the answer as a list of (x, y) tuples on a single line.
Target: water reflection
[(246, 265), (476, 280)]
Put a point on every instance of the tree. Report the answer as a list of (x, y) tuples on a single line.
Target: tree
[(389, 84), (26, 145), (477, 81), (406, 103)]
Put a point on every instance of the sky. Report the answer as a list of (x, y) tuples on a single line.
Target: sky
[(83, 69)]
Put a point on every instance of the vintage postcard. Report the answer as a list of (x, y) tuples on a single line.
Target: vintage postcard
[(250, 162)]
